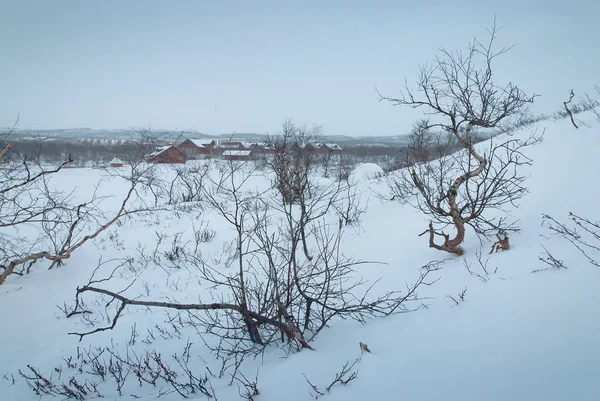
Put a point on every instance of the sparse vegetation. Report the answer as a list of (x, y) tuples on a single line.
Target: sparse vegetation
[(198, 276), (57, 224)]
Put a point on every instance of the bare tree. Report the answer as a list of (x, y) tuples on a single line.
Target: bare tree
[(581, 232), (187, 184), (280, 280), (420, 143), (460, 96), (294, 159), (351, 205), (54, 224)]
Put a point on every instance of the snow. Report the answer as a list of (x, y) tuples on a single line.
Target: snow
[(159, 150), (517, 336), (237, 153), (201, 143), (116, 160), (364, 172)]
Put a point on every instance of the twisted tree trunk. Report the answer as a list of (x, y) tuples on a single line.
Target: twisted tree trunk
[(4, 150), (452, 245)]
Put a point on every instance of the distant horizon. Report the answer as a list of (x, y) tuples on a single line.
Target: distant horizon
[(248, 66), (183, 132)]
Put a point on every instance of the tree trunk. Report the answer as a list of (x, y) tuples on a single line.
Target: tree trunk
[(453, 245)]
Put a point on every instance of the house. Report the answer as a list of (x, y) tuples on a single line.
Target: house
[(228, 150), (229, 145), (328, 148), (238, 155), (196, 148), (167, 154), (333, 147), (116, 162), (261, 148), (222, 146)]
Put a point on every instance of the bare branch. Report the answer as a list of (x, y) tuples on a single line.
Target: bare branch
[(571, 96), (459, 95)]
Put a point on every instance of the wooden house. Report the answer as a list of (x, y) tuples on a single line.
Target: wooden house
[(116, 162), (196, 148), (328, 148), (167, 155), (238, 155), (261, 148)]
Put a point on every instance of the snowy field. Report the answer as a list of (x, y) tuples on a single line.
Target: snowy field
[(522, 332)]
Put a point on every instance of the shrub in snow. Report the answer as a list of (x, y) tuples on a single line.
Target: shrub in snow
[(460, 96)]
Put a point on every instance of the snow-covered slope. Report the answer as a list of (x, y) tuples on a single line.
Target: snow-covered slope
[(517, 336)]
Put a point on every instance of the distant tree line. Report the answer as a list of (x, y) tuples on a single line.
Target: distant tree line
[(82, 153)]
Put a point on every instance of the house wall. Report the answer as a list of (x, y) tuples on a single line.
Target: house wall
[(170, 156), (193, 151), (237, 157)]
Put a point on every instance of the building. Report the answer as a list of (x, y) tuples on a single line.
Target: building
[(328, 148), (229, 145), (116, 162), (167, 155), (196, 149), (238, 155), (261, 148), (219, 147), (236, 150)]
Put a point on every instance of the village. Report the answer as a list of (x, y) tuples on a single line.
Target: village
[(197, 149)]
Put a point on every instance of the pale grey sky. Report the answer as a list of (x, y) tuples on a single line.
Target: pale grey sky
[(245, 66)]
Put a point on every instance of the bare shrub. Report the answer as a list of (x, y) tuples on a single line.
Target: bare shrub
[(482, 271), (460, 96), (204, 233), (55, 224), (346, 374), (71, 389), (592, 104), (248, 389), (351, 205), (294, 160), (551, 261), (460, 297), (281, 280), (112, 369), (568, 111), (187, 184), (581, 232)]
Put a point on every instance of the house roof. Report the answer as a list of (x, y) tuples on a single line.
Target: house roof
[(201, 143), (263, 145), (249, 144), (159, 150), (116, 160), (230, 144), (319, 145)]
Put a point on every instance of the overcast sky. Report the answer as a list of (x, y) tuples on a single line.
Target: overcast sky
[(245, 66)]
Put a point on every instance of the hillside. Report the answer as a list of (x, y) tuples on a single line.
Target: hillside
[(524, 331)]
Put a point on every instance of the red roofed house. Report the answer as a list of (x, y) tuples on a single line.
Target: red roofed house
[(168, 155), (116, 162)]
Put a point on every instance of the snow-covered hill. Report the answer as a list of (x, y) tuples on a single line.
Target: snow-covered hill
[(521, 332)]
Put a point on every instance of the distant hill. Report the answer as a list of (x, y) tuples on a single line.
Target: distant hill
[(115, 135)]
